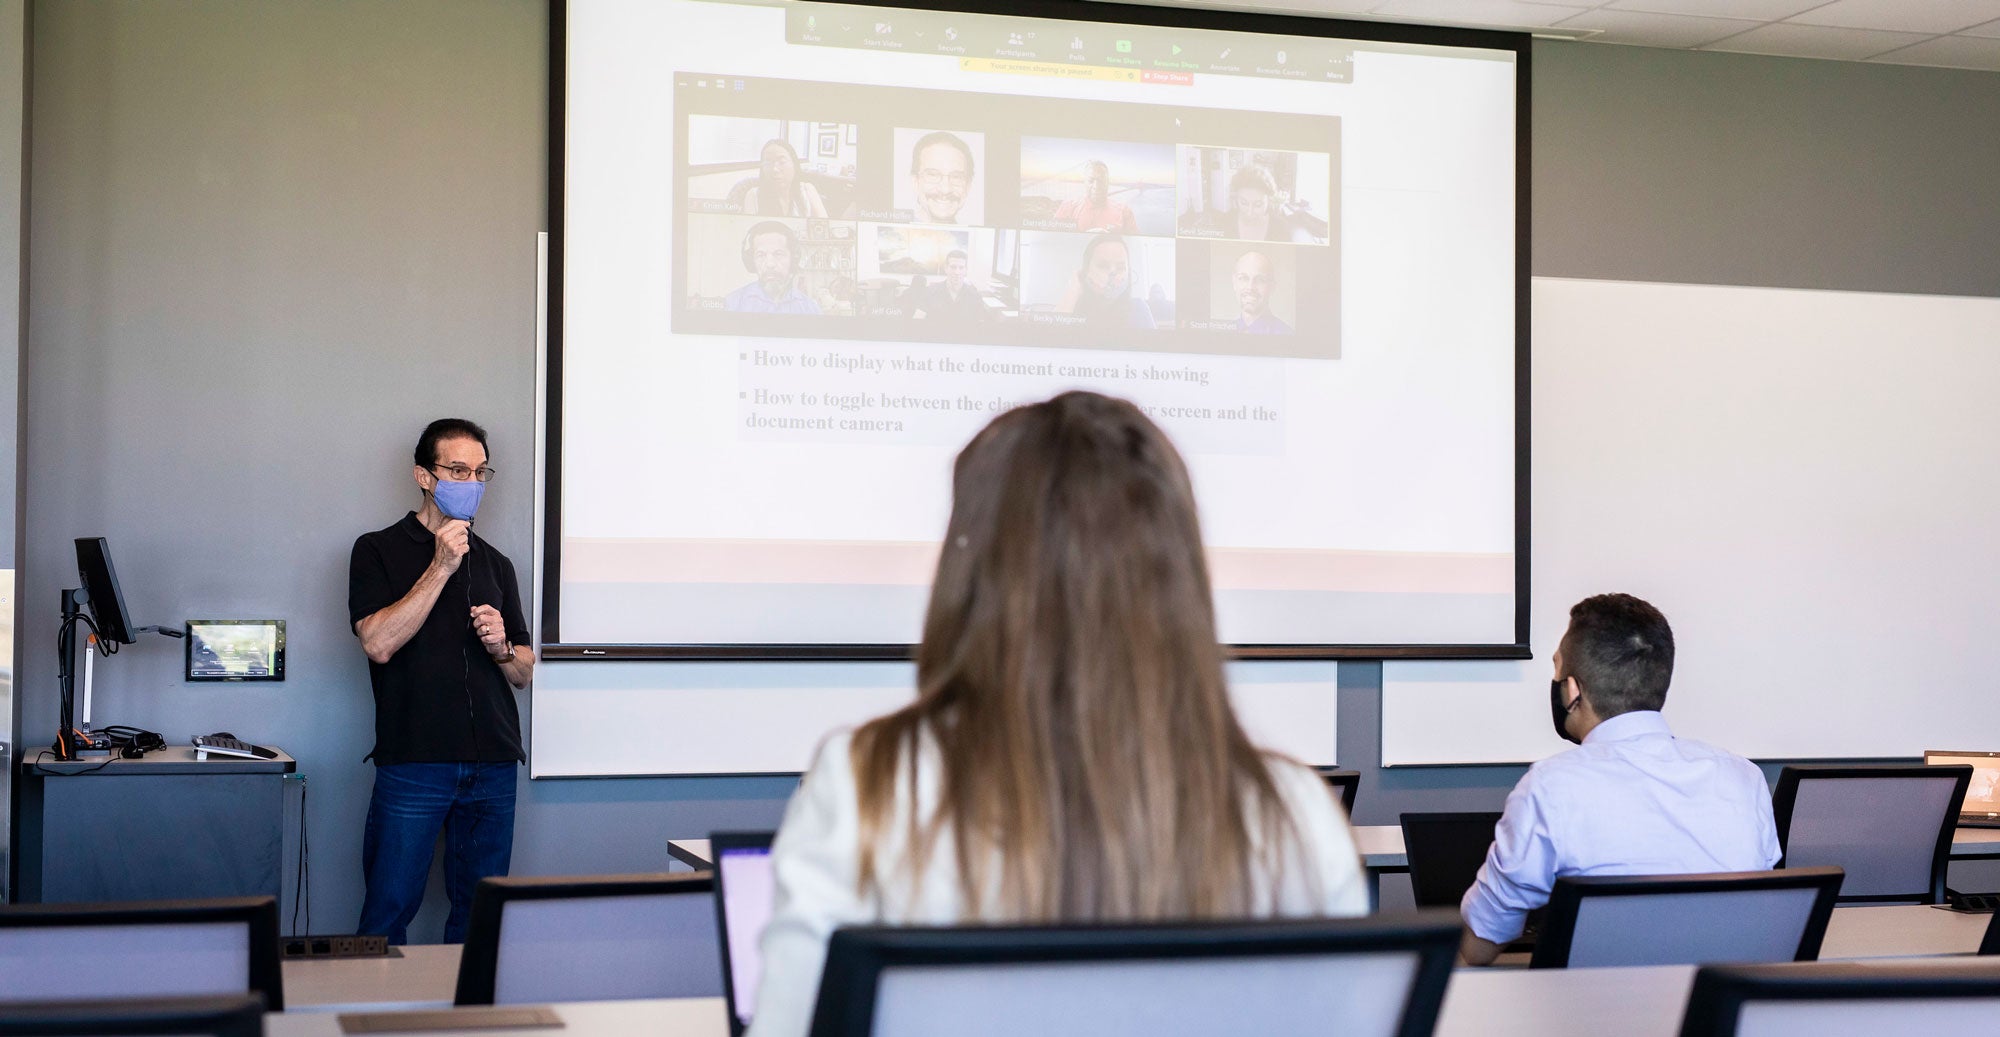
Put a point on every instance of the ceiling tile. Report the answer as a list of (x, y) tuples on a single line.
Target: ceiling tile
[(1655, 30), (1755, 10), (1990, 30), (1815, 41), (1949, 52), (1902, 15), (1508, 13)]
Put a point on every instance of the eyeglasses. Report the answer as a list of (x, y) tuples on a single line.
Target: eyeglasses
[(934, 177), (460, 473)]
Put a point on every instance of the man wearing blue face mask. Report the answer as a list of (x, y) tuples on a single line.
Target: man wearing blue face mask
[(438, 611)]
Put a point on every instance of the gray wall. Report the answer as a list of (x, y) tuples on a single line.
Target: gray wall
[(271, 239)]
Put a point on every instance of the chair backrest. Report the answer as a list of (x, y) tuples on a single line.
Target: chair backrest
[(1747, 916), (590, 938), (1840, 1000), (1346, 783), (745, 889), (158, 948), (1991, 943), (1889, 827), (1382, 976), (1445, 852), (235, 1015)]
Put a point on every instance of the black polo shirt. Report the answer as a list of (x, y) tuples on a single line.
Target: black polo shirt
[(441, 698)]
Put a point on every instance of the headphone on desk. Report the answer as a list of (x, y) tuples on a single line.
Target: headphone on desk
[(768, 227)]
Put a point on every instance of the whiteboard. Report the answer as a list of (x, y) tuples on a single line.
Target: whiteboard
[(600, 719), (1806, 483)]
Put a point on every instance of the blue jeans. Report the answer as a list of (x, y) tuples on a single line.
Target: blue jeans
[(472, 802)]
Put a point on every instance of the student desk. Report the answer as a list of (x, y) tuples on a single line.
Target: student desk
[(684, 1017), (1381, 849), (1634, 1002), (424, 976)]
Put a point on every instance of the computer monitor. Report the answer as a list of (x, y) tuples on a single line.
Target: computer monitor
[(744, 891), (100, 585)]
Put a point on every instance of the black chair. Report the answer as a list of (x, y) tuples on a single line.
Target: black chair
[(1890, 827), (590, 938), (1347, 783), (1745, 916), (1991, 943), (152, 948), (1378, 976), (237, 1015), (1840, 999), (1445, 851)]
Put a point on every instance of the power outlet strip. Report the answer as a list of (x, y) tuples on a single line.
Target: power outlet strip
[(336, 946)]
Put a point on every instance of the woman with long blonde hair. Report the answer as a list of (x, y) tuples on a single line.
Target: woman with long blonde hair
[(1071, 755)]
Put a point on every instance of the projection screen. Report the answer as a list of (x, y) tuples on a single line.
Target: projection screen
[(801, 252)]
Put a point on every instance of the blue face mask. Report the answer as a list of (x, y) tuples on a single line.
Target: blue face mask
[(458, 499)]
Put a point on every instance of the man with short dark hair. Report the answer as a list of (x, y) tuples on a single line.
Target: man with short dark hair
[(952, 301), (1630, 799), (438, 612)]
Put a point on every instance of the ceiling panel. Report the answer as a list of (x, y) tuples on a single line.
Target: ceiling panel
[(1816, 41), (1950, 52), (1952, 33), (1930, 16), (1655, 30)]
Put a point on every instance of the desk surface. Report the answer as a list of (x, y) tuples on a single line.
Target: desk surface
[(174, 759), (1381, 847), (686, 1017), (426, 976), (1900, 931), (1634, 1002)]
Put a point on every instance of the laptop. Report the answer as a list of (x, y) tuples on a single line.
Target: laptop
[(1982, 796), (744, 888)]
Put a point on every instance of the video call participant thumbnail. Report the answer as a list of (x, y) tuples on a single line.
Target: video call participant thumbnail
[(1252, 280), (941, 185), (952, 300), (1101, 289), (781, 188), (1095, 211), (771, 252)]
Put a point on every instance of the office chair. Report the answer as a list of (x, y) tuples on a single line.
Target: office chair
[(1747, 916), (1840, 999), (590, 938), (1368, 977), (159, 948), (1347, 783), (236, 1015), (1890, 827)]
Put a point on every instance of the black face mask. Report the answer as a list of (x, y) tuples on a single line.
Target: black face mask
[(1559, 712)]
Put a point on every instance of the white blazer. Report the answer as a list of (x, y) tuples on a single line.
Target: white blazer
[(816, 860)]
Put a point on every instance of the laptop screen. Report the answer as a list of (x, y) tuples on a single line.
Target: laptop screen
[(1983, 795), (744, 876)]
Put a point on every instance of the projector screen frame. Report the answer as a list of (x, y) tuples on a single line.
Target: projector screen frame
[(1231, 20)]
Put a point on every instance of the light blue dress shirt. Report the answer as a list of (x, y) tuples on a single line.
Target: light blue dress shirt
[(1631, 800)]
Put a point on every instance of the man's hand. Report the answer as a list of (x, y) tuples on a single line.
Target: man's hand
[(492, 632), (454, 538)]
